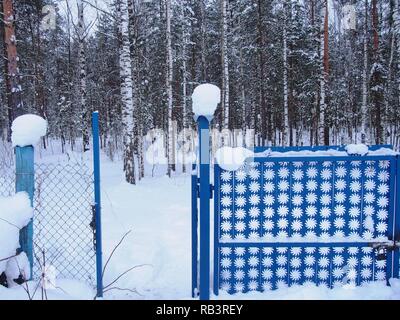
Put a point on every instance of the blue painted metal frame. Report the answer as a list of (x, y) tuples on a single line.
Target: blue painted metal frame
[(25, 181), (97, 203), (204, 164), (251, 250), (195, 246)]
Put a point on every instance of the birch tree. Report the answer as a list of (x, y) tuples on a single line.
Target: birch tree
[(225, 63), (285, 135), (128, 108)]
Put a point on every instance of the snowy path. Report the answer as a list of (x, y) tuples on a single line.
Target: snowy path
[(157, 211)]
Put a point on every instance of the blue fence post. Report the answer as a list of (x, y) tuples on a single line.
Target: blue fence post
[(25, 181), (195, 254), (396, 255), (97, 202), (204, 162)]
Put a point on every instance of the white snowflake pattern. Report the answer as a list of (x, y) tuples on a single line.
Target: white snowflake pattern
[(297, 225), (309, 272), (226, 226), (269, 212), (240, 214), (341, 172), (355, 186), (355, 173), (326, 187), (311, 198), (338, 260), (311, 224), (226, 213), (254, 199), (352, 274), (281, 272), (298, 174), (226, 251), (267, 262), (311, 211), (254, 174), (370, 172), (366, 273), (254, 224), (226, 188), (383, 189), (253, 285), (297, 213), (240, 175), (382, 215), (283, 185), (311, 185), (240, 226), (369, 210), (297, 187), (281, 260), (226, 274), (283, 173), (240, 188), (355, 199), (267, 286), (323, 262), (369, 185), (340, 197), (269, 174), (380, 275), (254, 212), (325, 225), (283, 211), (239, 263), (239, 287), (267, 274), (326, 199), (268, 225), (354, 212), (383, 202), (339, 223), (297, 200), (340, 184), (295, 275), (326, 174), (283, 198), (340, 210), (312, 172), (282, 223), (226, 201), (254, 187), (295, 251), (269, 200), (226, 176), (240, 201), (381, 227), (369, 197), (269, 187), (354, 224), (323, 274), (226, 262), (239, 275), (366, 261), (253, 261), (337, 273)]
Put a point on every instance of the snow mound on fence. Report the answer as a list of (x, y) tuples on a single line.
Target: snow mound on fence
[(15, 213), (205, 99), (357, 149), (27, 130), (231, 159)]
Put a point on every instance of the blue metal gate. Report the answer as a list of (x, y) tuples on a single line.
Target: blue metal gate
[(283, 221)]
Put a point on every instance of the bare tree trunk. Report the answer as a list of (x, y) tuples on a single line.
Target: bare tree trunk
[(169, 78), (82, 76), (261, 46), (225, 64), (364, 106), (14, 99), (322, 137), (285, 131), (128, 108)]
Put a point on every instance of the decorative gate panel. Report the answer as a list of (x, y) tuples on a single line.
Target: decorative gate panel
[(298, 220)]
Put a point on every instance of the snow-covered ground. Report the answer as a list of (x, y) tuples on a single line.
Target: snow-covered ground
[(157, 212)]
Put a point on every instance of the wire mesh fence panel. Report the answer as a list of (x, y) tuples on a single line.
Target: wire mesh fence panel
[(63, 234), (7, 174)]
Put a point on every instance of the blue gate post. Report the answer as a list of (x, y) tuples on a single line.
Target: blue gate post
[(97, 202), (195, 247), (25, 181), (204, 162)]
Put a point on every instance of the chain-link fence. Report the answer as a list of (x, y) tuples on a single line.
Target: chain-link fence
[(63, 233), (63, 220)]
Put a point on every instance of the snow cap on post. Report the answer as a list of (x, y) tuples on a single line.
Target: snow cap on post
[(27, 130), (206, 98)]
